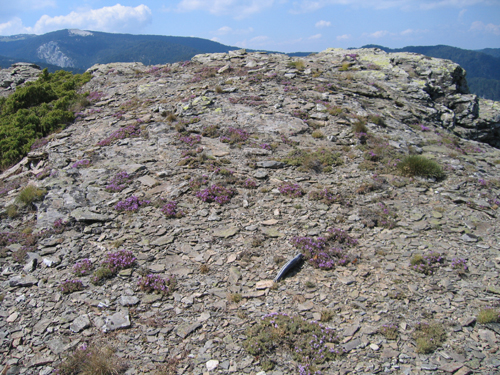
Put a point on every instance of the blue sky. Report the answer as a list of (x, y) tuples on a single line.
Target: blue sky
[(275, 25)]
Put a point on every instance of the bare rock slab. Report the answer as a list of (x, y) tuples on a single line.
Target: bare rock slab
[(226, 233), (81, 214), (119, 320), (184, 330), (22, 281), (80, 323)]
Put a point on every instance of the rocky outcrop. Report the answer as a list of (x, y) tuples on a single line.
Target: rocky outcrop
[(16, 75), (299, 148)]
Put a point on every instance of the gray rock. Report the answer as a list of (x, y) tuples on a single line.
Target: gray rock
[(81, 214), (22, 281), (186, 329), (119, 320), (270, 164), (128, 300), (80, 323)]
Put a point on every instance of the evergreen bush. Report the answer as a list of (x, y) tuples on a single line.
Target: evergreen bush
[(36, 110)]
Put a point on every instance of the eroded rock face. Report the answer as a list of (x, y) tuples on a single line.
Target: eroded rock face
[(282, 139)]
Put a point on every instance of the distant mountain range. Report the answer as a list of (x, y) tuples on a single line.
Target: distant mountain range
[(78, 50), (482, 66)]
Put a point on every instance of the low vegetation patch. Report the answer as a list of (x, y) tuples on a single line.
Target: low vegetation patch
[(328, 251), (156, 284), (216, 193), (426, 263), (291, 190), (417, 165), (389, 331), (30, 194), (428, 336), (321, 160), (309, 343), (70, 286), (91, 359), (488, 315), (113, 263)]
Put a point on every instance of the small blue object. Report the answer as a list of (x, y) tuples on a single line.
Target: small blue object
[(287, 267)]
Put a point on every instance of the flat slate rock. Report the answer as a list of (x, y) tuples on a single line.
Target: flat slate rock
[(226, 233), (80, 323), (184, 330), (22, 281), (119, 320), (81, 214)]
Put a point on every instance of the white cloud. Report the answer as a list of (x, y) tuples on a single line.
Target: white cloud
[(322, 23), (317, 36), (236, 8), (410, 32), (117, 18), (344, 37), (426, 5), (12, 27), (489, 28), (256, 42), (225, 30), (259, 39), (313, 5), (378, 34)]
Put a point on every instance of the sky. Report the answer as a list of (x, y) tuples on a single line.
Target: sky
[(273, 25)]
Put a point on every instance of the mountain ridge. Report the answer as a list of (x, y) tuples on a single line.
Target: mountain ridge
[(148, 232), (77, 50)]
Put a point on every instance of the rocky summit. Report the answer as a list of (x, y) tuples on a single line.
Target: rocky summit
[(155, 224)]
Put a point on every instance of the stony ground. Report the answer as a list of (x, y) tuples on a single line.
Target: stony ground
[(253, 123)]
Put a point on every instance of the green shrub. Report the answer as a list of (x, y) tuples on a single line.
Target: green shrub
[(11, 211), (428, 337), (317, 160), (100, 275), (317, 134), (360, 126), (235, 297), (309, 343), (36, 110), (298, 64), (92, 359), (389, 331), (345, 67), (416, 165), (30, 194), (488, 315)]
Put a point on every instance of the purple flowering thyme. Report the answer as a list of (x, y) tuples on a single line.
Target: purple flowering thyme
[(131, 204), (170, 210), (216, 193), (155, 283), (81, 164), (120, 260), (70, 286), (83, 267), (125, 132), (291, 190), (118, 182)]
